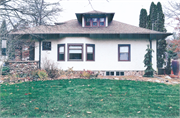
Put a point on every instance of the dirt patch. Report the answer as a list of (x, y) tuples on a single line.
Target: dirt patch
[(157, 78)]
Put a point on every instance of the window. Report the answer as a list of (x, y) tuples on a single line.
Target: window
[(124, 52), (90, 52), (61, 52), (88, 22), (94, 22), (3, 48), (109, 73), (101, 22), (75, 52), (46, 46), (119, 73)]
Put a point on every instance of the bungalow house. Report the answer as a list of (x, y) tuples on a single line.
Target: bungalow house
[(96, 42)]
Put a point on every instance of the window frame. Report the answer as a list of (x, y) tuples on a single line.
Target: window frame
[(58, 58), (85, 22), (95, 22), (129, 51), (93, 45), (72, 44), (44, 47), (98, 22)]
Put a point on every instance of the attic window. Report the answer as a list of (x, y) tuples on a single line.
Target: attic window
[(88, 22), (101, 21), (94, 22)]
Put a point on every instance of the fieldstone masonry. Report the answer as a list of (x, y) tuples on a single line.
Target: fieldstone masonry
[(21, 67), (126, 73)]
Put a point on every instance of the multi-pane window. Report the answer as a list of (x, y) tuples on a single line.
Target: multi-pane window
[(61, 52), (124, 52), (88, 22), (75, 52), (94, 22), (46, 46), (101, 22), (90, 52)]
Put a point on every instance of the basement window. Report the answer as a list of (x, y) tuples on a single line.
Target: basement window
[(119, 73), (109, 73)]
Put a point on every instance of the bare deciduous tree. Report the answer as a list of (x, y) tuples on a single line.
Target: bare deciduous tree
[(22, 14)]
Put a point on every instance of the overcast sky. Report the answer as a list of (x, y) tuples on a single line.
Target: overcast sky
[(126, 11)]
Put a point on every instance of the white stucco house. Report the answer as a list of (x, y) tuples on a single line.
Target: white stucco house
[(96, 42)]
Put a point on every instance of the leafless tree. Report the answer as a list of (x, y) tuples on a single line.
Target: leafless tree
[(172, 11), (22, 14), (29, 12)]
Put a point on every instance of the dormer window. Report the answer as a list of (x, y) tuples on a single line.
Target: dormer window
[(94, 22), (88, 22), (101, 21)]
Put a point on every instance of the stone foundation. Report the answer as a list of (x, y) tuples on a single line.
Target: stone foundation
[(126, 73), (22, 67)]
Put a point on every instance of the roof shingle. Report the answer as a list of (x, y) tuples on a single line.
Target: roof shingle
[(73, 27)]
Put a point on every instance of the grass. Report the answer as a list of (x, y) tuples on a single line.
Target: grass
[(101, 98)]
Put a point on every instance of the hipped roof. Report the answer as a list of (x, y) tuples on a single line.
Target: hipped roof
[(73, 27)]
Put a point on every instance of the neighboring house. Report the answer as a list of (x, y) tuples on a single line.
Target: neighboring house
[(94, 41)]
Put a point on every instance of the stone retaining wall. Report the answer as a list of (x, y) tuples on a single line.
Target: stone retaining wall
[(22, 67)]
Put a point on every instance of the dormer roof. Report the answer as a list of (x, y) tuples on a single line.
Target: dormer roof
[(95, 13)]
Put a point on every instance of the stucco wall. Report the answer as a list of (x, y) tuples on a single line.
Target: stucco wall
[(106, 54)]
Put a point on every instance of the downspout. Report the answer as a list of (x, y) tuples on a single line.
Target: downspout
[(39, 53)]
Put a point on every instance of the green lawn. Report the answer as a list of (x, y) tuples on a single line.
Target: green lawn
[(89, 98)]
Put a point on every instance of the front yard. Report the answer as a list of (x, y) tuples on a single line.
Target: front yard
[(89, 98)]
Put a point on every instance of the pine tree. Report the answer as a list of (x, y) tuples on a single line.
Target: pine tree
[(147, 62), (161, 49), (153, 16), (143, 18), (149, 23), (161, 44), (160, 18)]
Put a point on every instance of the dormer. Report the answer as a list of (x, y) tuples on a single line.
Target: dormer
[(94, 19)]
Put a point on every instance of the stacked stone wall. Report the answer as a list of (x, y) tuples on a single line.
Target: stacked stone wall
[(22, 67)]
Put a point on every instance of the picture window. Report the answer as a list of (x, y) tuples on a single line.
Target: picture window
[(75, 52)]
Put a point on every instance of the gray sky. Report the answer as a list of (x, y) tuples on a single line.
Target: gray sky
[(126, 11)]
